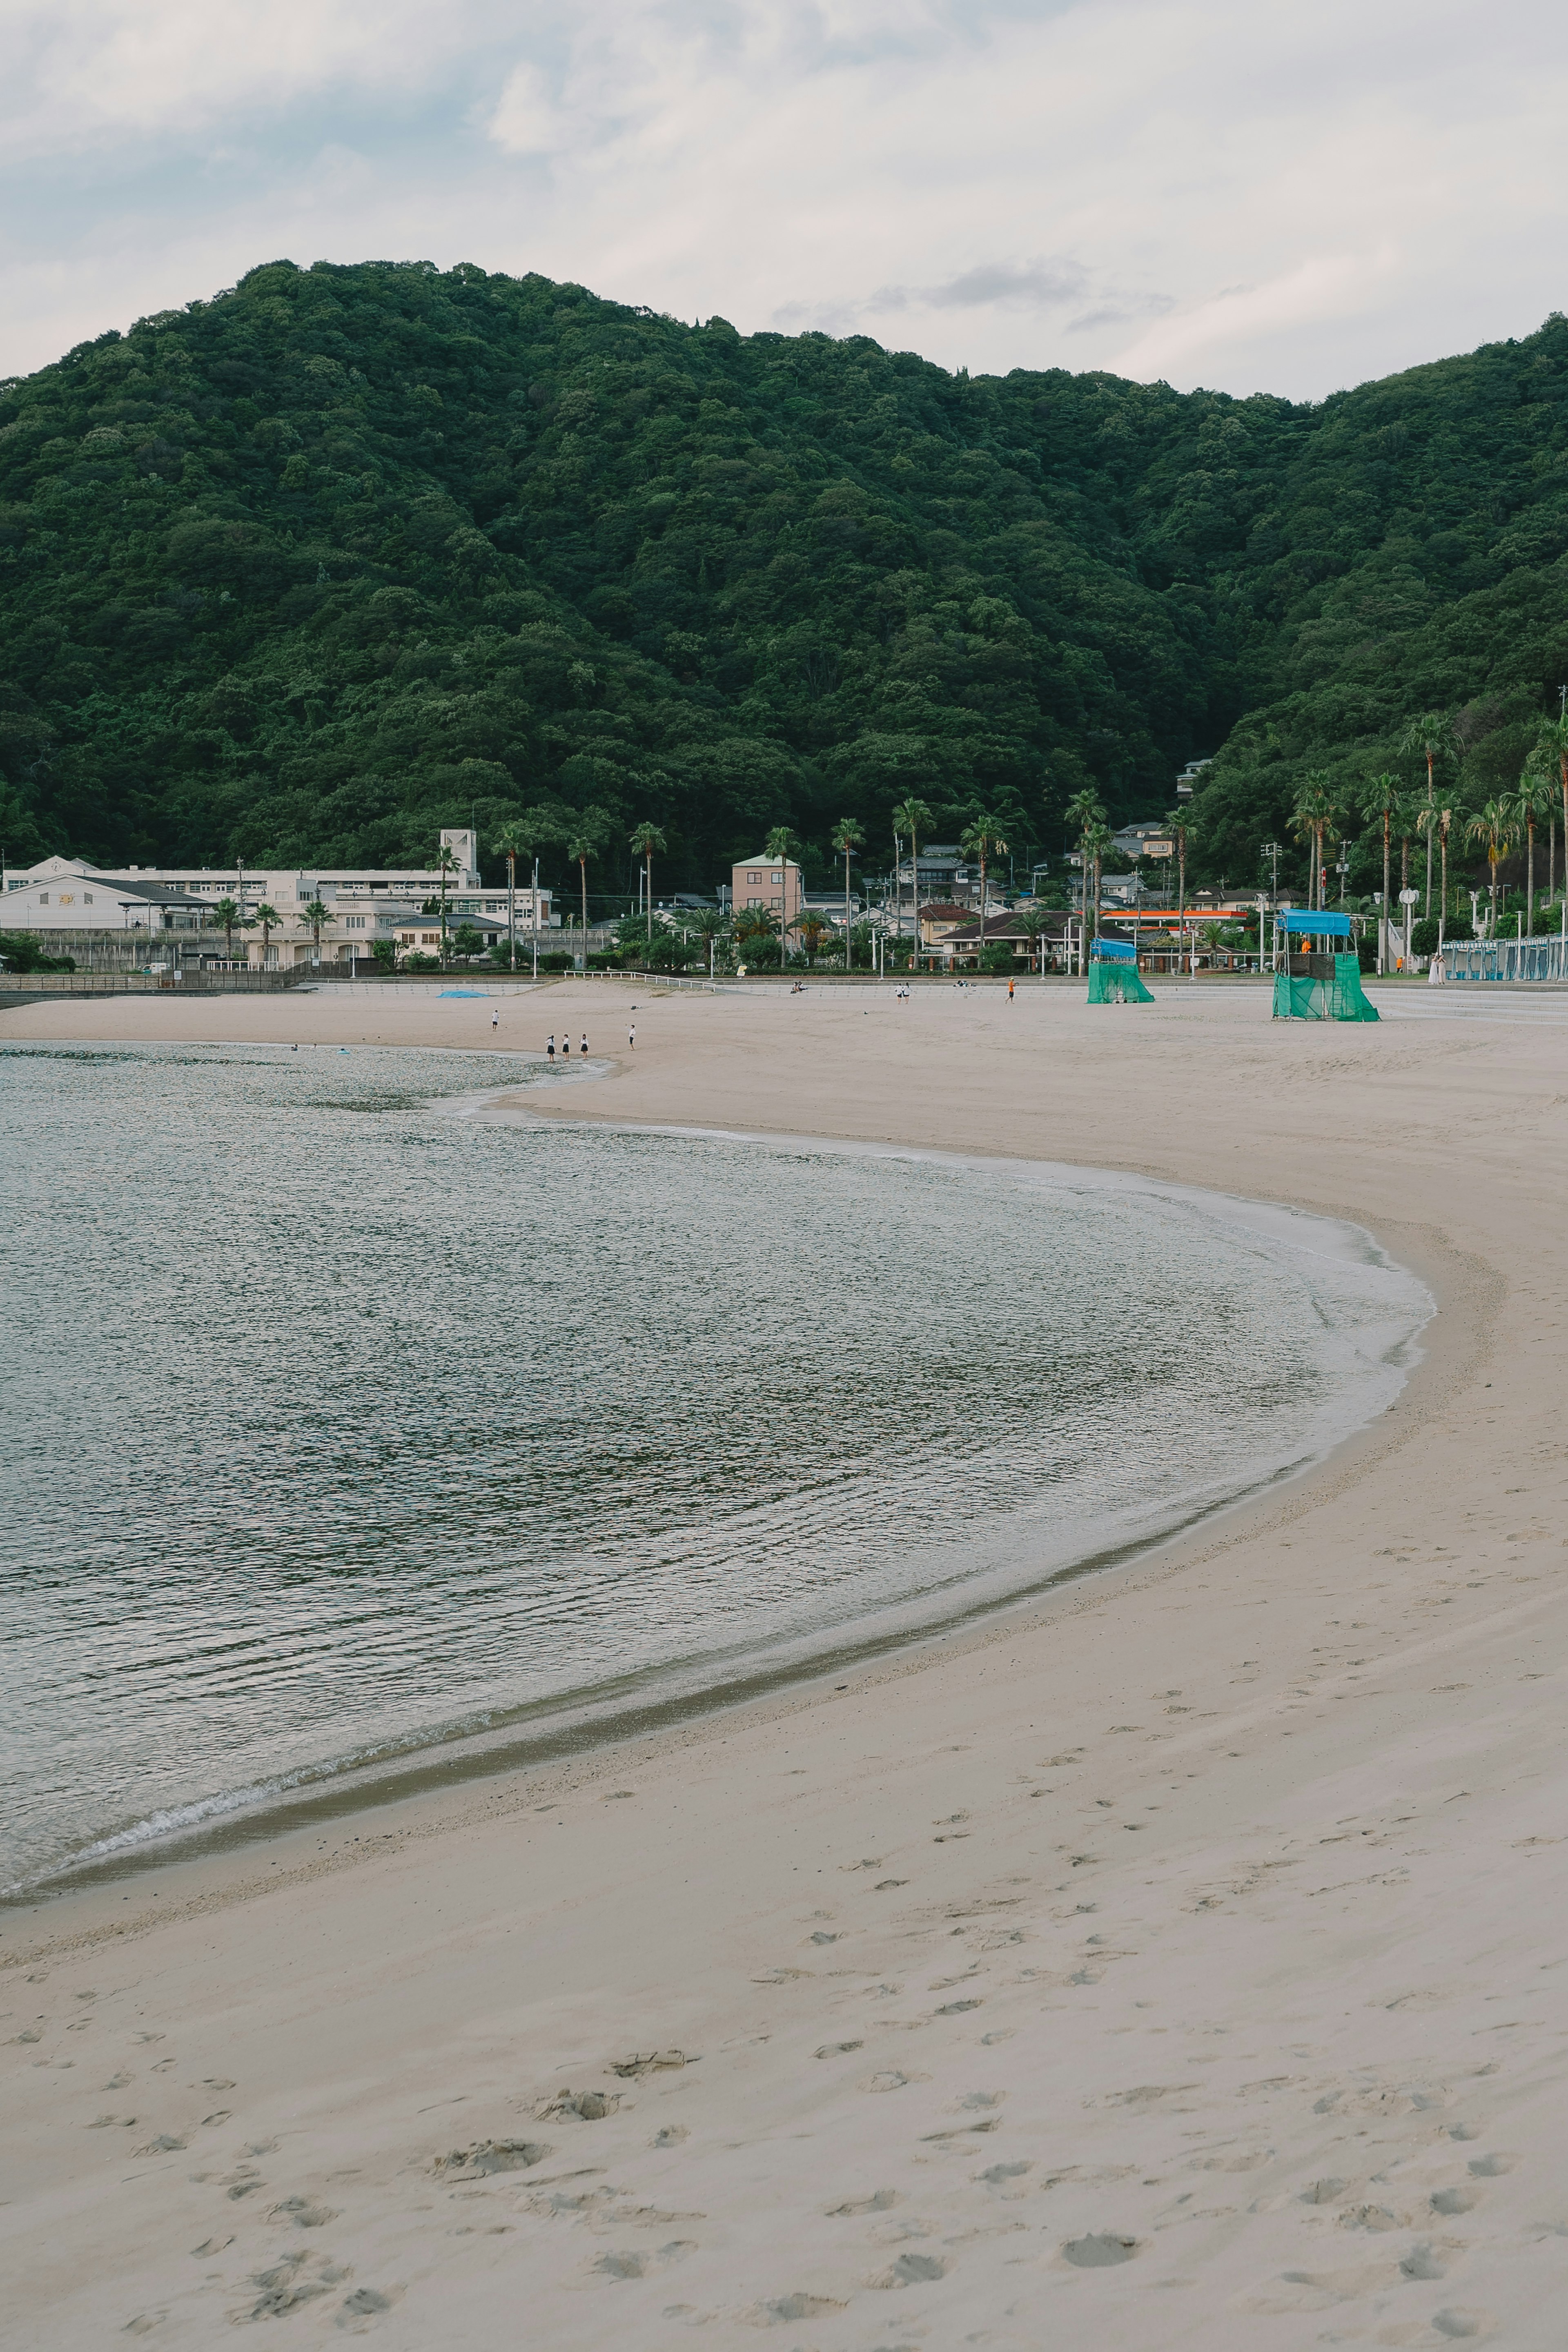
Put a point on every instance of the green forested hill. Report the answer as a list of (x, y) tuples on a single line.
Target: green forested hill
[(301, 573)]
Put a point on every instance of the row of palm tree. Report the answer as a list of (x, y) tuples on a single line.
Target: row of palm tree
[(1495, 826), (228, 916)]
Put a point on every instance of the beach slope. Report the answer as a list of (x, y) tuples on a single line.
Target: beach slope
[(1177, 1960)]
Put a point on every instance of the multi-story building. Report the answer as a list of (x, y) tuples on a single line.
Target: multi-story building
[(771, 882), (364, 903)]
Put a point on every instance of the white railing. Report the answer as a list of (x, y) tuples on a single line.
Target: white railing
[(1506, 960)]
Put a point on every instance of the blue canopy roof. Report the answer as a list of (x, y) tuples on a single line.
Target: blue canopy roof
[(1303, 918), (1114, 952)]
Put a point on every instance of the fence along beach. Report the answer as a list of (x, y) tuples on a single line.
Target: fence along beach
[(1173, 1956)]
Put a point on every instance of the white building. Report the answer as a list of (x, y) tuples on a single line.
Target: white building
[(363, 903), (61, 894)]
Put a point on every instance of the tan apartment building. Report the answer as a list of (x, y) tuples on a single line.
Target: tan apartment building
[(771, 882)]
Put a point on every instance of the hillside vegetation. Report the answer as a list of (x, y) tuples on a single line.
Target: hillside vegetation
[(303, 571)]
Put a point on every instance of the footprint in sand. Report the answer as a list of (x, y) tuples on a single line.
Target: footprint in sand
[(653, 2062), (1463, 2323), (882, 2200), (1424, 2261), (304, 2212), (1005, 2178), (1101, 2249), (285, 2288), (487, 2156), (1488, 2167), (641, 2265), (366, 2302), (913, 2270), (1454, 2200), (588, 2106), (797, 2306)]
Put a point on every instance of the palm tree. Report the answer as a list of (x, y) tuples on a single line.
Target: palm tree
[(758, 923), (445, 863), (1034, 925), (1085, 810), (584, 841), (225, 916), (270, 921), (311, 918), (814, 927), (1536, 798), (780, 849), (645, 841), (1431, 738), (1378, 803), (512, 841), (1438, 819), (1552, 742), (982, 839), (1096, 842), (708, 922), (1407, 813), (1493, 825), (848, 837), (1311, 819), (534, 830), (1176, 825), (913, 817)]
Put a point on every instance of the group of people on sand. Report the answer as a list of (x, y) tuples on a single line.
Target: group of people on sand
[(565, 1047)]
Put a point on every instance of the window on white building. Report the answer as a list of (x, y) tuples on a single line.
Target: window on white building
[(43, 897), (353, 922)]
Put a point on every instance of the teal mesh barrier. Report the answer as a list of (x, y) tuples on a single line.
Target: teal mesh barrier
[(1342, 998), (1118, 983)]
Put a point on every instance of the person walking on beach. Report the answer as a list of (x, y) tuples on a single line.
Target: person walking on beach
[(495, 1018), (632, 1036), (549, 1050), (1010, 987), (583, 1047)]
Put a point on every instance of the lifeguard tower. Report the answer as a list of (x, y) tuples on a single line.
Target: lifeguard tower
[(1315, 979), (1114, 974)]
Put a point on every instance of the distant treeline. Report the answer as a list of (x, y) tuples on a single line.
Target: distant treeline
[(301, 573)]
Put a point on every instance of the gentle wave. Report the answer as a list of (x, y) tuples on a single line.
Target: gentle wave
[(362, 1419)]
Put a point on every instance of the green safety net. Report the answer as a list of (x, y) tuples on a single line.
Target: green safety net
[(1118, 983), (1340, 999)]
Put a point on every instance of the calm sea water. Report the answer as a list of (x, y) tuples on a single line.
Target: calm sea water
[(347, 1417)]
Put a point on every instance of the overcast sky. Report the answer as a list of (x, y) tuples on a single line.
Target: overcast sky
[(1232, 192)]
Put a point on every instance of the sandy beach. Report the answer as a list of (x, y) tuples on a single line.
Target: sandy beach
[(1174, 1961)]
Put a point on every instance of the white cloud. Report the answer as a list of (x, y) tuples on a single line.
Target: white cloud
[(1193, 188), (527, 119)]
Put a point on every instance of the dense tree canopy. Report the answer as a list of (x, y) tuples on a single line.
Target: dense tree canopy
[(300, 573)]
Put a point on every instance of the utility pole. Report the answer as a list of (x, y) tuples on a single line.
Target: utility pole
[(536, 916)]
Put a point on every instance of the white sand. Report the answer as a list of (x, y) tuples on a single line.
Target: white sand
[(1210, 1916)]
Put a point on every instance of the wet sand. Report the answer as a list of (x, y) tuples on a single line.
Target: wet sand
[(1177, 1960)]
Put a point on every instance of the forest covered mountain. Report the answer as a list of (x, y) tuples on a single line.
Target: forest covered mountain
[(301, 573)]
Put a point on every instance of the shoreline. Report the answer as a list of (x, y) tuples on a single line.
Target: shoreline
[(642, 1703), (1202, 1915)]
